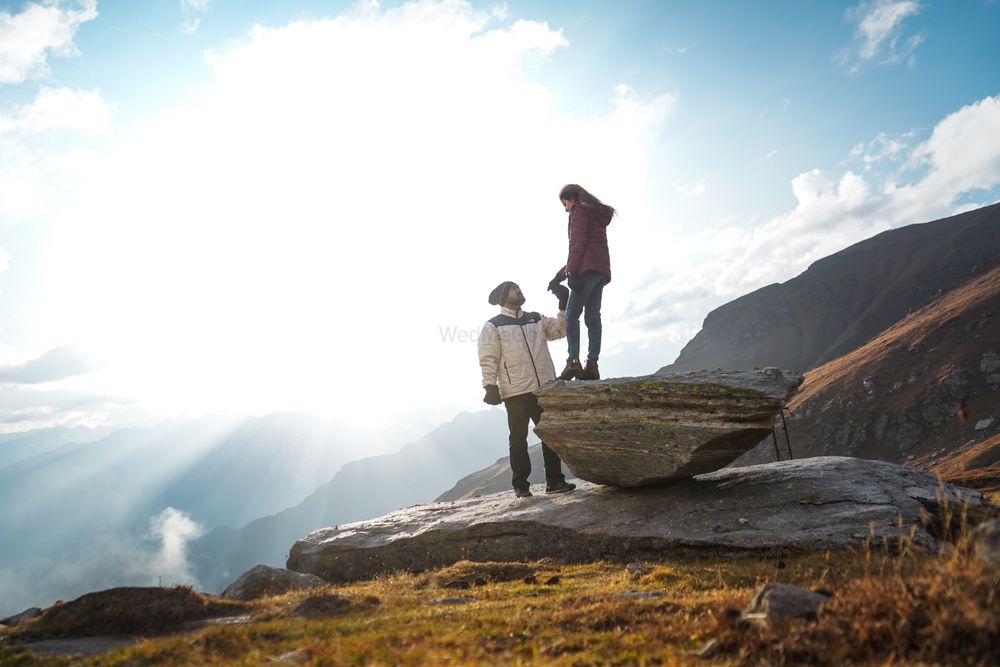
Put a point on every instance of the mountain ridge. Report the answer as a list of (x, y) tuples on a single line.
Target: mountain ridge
[(843, 300)]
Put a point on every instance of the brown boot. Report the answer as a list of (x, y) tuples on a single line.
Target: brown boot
[(590, 372), (573, 369)]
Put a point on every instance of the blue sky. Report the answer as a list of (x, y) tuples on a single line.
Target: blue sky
[(244, 207)]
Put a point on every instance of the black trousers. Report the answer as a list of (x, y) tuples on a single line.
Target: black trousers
[(520, 411)]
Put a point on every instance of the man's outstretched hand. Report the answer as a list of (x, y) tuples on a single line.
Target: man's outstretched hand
[(562, 293), (554, 283), (492, 395)]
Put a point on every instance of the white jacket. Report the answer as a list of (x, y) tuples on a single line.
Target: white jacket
[(514, 350)]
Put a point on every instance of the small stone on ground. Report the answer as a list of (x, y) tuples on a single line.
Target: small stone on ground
[(451, 601), (640, 595), (775, 604)]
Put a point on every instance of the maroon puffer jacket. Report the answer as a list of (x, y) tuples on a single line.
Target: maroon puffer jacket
[(588, 241)]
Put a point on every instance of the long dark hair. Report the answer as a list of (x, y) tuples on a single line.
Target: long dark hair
[(574, 192)]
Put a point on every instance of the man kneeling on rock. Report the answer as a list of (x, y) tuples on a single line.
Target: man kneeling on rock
[(514, 357)]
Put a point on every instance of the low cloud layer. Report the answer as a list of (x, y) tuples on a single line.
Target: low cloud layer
[(36, 394), (57, 364)]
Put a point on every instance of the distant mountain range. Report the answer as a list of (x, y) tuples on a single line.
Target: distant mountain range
[(16, 447)]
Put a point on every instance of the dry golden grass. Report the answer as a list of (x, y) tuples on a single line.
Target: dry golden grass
[(890, 606)]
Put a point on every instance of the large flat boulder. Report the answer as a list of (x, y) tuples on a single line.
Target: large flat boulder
[(819, 503), (645, 430)]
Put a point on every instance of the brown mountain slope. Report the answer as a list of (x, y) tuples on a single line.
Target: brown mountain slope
[(976, 466), (844, 300), (916, 393)]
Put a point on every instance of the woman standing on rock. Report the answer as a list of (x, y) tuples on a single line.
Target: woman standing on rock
[(588, 270)]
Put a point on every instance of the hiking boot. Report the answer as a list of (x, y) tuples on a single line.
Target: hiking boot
[(522, 493), (559, 487), (573, 369), (590, 371)]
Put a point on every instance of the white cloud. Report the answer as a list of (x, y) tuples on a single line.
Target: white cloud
[(961, 156), (32, 164), (56, 364), (193, 11), (27, 38), (833, 210), (24, 408), (690, 189), (341, 190), (879, 35), (500, 12), (82, 111), (770, 154), (882, 147)]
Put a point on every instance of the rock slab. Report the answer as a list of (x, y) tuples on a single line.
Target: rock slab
[(827, 502), (264, 580), (646, 430)]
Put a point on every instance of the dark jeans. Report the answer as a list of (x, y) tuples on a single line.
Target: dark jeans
[(521, 410), (587, 298)]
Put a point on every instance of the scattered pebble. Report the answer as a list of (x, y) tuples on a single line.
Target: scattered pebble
[(637, 569), (451, 601), (710, 649), (634, 594), (295, 657), (986, 542), (217, 620), (775, 604)]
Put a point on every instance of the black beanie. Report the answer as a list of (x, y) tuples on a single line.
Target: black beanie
[(499, 293)]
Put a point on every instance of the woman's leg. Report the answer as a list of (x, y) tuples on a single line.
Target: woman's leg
[(574, 308), (592, 319)]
